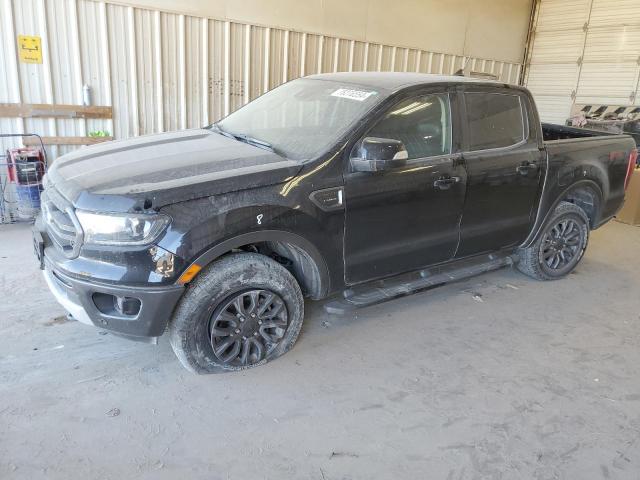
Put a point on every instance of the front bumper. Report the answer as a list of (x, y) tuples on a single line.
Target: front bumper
[(94, 300), (79, 298)]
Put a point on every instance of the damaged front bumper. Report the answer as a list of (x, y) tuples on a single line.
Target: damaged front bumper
[(88, 288), (92, 303)]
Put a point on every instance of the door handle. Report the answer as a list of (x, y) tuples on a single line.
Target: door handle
[(525, 168), (444, 183)]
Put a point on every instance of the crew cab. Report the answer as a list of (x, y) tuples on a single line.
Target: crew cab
[(357, 186)]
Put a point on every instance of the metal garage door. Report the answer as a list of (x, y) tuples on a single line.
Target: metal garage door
[(584, 52)]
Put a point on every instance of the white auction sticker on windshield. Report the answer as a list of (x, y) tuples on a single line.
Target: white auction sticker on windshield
[(359, 95)]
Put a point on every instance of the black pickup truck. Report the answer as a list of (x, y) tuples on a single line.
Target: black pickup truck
[(360, 186)]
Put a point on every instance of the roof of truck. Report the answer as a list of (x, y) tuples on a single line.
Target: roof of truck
[(396, 80)]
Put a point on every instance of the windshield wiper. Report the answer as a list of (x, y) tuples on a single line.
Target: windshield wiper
[(253, 141), (217, 128), (241, 137)]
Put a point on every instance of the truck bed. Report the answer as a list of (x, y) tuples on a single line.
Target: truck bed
[(552, 132), (583, 155)]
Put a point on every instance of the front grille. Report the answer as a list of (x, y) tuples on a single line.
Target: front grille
[(62, 226)]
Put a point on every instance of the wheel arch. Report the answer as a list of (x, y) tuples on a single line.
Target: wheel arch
[(586, 194), (308, 265)]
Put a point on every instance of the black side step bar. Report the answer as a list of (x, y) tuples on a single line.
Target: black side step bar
[(384, 290)]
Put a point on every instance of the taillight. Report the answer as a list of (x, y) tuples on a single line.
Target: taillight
[(633, 157)]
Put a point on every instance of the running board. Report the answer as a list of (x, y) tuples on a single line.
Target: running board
[(385, 290)]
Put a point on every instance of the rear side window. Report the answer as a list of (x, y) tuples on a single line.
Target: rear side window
[(422, 124), (495, 120)]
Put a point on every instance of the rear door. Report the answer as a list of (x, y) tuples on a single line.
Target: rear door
[(504, 160), (406, 218)]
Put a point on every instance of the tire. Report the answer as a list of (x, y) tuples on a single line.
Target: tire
[(560, 245), (247, 299)]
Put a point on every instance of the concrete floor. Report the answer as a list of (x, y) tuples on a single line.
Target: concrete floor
[(498, 377)]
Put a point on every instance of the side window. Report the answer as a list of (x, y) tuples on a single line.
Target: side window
[(494, 119), (422, 124)]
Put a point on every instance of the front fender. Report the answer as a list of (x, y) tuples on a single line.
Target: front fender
[(204, 229)]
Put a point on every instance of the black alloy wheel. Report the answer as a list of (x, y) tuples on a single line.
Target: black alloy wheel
[(562, 244), (247, 327), (559, 247)]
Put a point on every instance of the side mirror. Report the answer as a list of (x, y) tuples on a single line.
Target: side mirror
[(377, 154)]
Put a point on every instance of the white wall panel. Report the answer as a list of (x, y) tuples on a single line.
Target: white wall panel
[(9, 79), (162, 71), (254, 77), (610, 12), (119, 44), (65, 64), (562, 15), (96, 58), (276, 57), (173, 64), (585, 52), (239, 55), (546, 47), (145, 29), (35, 79), (311, 55), (607, 83), (553, 108), (554, 59), (619, 43), (553, 79), (195, 71), (486, 28), (216, 69)]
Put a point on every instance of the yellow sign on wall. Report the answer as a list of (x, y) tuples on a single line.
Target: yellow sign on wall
[(29, 49)]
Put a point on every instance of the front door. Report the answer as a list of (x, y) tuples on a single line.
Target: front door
[(406, 218), (504, 167)]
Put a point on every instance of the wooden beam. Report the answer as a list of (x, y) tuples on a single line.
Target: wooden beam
[(32, 110), (35, 141)]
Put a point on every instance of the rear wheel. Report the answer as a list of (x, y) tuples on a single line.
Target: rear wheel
[(561, 245), (242, 311)]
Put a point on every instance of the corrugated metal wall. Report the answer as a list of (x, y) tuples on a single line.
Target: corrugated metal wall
[(164, 71)]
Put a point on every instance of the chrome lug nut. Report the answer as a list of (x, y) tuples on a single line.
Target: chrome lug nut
[(237, 330)]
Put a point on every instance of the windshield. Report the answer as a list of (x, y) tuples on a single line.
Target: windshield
[(302, 118)]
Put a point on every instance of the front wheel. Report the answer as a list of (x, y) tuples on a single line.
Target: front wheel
[(561, 245), (242, 311)]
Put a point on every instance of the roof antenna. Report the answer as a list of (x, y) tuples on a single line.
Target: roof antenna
[(460, 72)]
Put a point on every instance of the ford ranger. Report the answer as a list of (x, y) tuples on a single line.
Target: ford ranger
[(361, 187)]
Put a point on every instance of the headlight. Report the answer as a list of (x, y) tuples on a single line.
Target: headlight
[(125, 229)]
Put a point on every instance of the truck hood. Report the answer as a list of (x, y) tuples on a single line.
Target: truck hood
[(156, 170)]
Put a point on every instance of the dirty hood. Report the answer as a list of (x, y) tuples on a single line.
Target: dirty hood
[(157, 170)]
